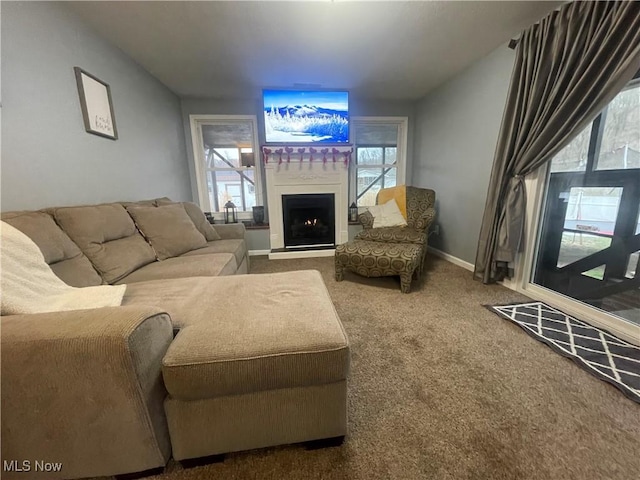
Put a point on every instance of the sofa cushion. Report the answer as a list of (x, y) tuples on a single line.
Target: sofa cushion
[(179, 267), (228, 345), (197, 217), (63, 256), (168, 229), (201, 222), (393, 235), (107, 235), (237, 247), (29, 286)]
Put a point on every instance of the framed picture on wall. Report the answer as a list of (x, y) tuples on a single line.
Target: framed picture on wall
[(96, 104)]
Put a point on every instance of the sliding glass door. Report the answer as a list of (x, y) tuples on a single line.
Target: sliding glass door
[(589, 234)]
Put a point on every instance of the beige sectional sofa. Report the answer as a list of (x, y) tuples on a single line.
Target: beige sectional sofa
[(197, 360)]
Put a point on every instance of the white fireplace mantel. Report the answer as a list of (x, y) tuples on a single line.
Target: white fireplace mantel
[(304, 177)]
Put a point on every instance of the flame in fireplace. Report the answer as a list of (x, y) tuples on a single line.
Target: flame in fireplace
[(311, 223)]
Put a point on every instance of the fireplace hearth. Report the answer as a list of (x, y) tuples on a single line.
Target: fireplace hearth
[(309, 220)]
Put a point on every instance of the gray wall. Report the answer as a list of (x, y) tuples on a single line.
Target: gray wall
[(455, 137), (47, 157), (258, 239)]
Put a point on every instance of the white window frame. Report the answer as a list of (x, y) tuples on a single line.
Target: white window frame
[(401, 151), (197, 122)]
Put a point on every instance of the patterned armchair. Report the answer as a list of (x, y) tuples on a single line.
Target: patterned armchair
[(420, 214)]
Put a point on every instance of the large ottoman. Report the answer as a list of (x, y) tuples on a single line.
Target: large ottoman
[(263, 362), (378, 259)]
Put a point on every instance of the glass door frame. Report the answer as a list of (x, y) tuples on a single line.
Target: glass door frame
[(625, 222), (536, 184)]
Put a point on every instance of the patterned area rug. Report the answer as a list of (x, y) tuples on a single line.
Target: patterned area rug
[(597, 351)]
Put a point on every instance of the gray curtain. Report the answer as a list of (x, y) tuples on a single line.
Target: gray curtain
[(568, 67)]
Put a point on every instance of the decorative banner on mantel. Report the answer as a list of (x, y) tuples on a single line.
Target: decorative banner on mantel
[(284, 154)]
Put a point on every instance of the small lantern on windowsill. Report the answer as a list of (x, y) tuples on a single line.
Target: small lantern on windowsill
[(353, 213), (230, 213)]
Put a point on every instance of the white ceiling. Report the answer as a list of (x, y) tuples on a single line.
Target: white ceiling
[(383, 50)]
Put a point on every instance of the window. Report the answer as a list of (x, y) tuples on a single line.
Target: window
[(620, 138), (379, 160), (610, 142), (226, 154)]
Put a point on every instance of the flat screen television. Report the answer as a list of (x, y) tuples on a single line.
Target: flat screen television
[(306, 116)]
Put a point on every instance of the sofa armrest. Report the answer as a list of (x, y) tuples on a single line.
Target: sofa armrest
[(230, 230), (85, 388), (366, 220)]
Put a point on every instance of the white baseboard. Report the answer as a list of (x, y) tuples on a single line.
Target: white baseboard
[(322, 253), (255, 253), (327, 253), (450, 258)]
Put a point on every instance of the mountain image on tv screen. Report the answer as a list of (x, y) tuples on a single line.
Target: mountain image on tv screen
[(296, 116)]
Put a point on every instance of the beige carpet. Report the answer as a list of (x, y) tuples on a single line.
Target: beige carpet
[(442, 388)]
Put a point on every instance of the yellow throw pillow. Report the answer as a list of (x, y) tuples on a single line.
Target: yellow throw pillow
[(399, 194)]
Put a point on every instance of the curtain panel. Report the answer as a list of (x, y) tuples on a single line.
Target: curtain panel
[(568, 67)]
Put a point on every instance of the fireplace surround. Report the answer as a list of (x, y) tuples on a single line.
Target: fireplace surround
[(305, 177)]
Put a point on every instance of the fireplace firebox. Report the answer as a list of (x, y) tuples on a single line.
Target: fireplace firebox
[(309, 220)]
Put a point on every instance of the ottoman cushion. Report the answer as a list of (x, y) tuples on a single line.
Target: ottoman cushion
[(377, 259), (263, 332)]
